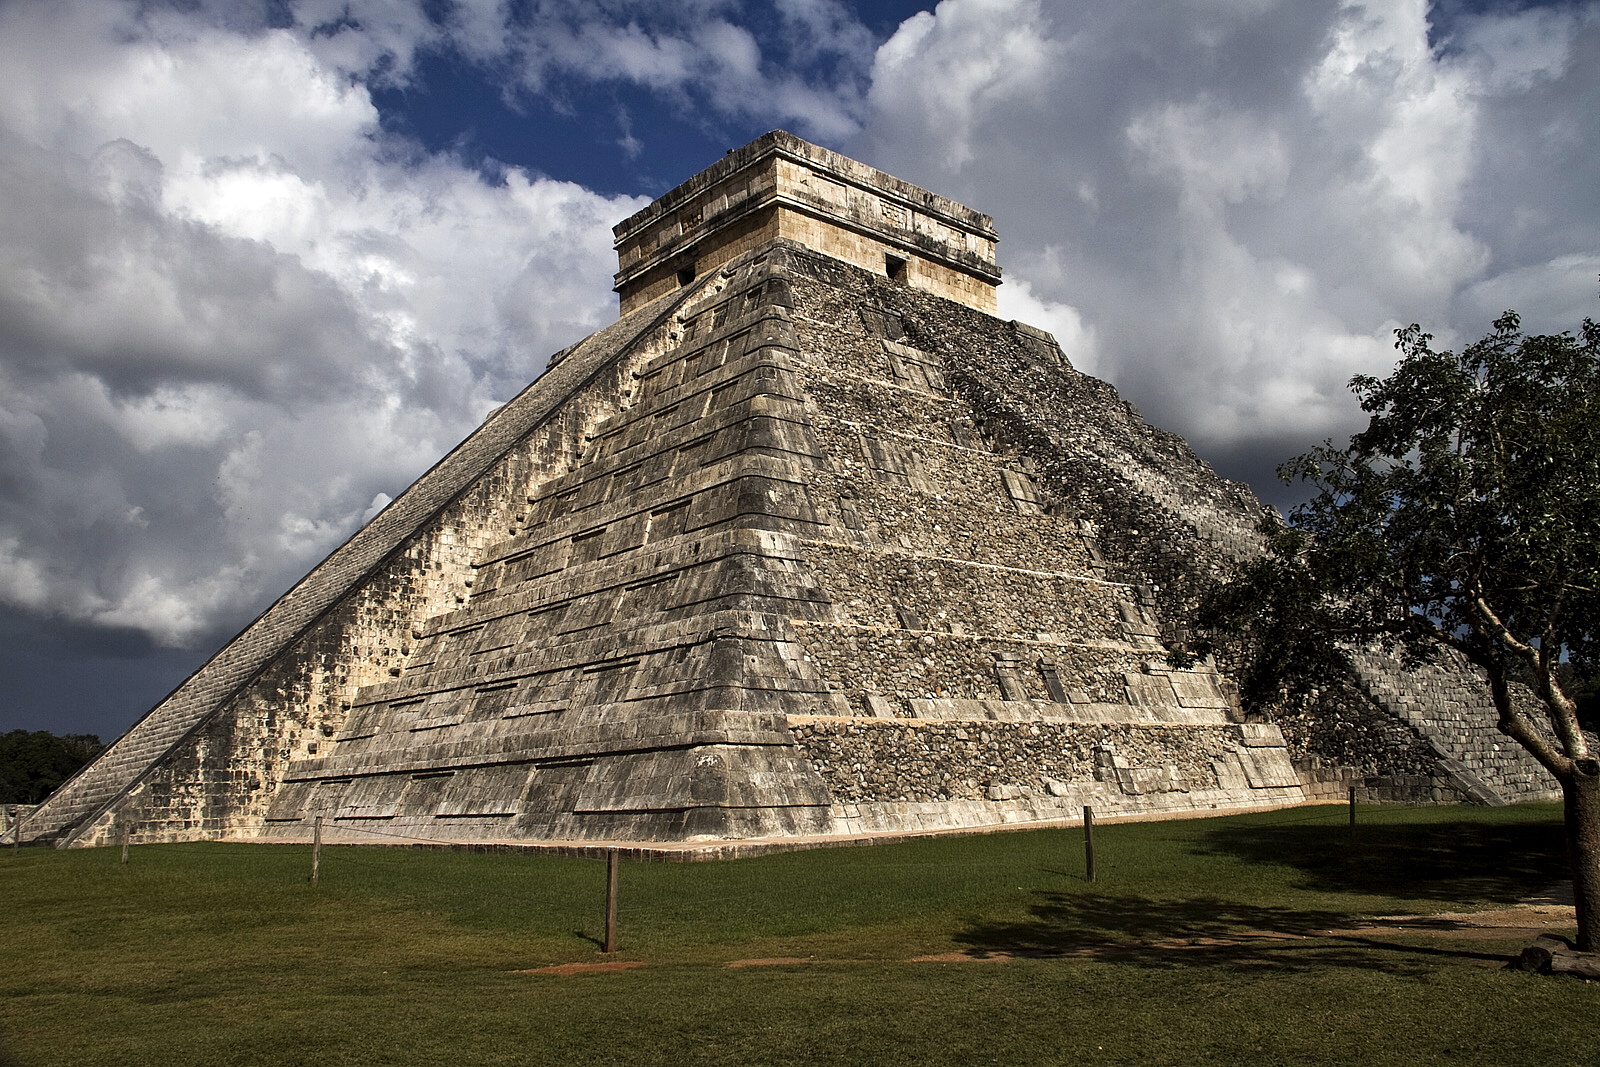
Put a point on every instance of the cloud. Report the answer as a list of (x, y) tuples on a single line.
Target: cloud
[(950, 72), (234, 314), (1019, 302), (1533, 195), (803, 63), (1238, 202)]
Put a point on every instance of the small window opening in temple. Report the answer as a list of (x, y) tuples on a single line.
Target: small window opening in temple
[(685, 275), (895, 268)]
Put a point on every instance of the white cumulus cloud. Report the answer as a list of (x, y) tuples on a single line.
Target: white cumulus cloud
[(234, 313), (1239, 202)]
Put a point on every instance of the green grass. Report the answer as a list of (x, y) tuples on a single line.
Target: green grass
[(222, 954)]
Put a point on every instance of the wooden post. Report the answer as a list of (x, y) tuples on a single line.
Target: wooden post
[(1088, 841), (1352, 811), (123, 834), (611, 901), (316, 847)]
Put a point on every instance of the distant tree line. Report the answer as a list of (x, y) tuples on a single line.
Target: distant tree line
[(33, 764)]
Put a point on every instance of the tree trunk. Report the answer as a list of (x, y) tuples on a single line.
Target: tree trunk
[(1581, 793)]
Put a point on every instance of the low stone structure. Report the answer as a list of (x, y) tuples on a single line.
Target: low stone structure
[(808, 542), (779, 186)]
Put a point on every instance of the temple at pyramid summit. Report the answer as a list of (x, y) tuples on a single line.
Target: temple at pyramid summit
[(807, 542)]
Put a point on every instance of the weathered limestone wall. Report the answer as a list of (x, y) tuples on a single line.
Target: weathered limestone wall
[(666, 272), (923, 760), (222, 777), (801, 551), (755, 547), (1343, 739), (872, 253), (1422, 736), (1158, 521), (992, 673), (1448, 704), (921, 401)]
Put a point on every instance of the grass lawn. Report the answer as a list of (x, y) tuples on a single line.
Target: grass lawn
[(206, 954)]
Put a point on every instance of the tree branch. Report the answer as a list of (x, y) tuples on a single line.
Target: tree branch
[(1563, 713)]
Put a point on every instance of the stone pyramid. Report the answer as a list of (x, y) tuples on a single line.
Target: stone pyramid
[(808, 542)]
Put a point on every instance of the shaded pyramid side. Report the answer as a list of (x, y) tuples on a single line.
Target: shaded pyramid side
[(1164, 523), (1429, 734), (995, 670)]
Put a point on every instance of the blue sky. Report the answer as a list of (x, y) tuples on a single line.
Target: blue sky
[(262, 263), (607, 134)]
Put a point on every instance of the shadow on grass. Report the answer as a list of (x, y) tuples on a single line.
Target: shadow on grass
[(1444, 864), (1461, 862), (1202, 932)]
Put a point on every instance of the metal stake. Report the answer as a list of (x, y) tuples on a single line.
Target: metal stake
[(1088, 841)]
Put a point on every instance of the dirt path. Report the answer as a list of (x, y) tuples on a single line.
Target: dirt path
[(1546, 912), (1539, 914), (1543, 913)]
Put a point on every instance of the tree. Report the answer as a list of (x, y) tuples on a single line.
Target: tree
[(33, 764), (1466, 516)]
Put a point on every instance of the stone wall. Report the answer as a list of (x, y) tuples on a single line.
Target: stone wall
[(993, 671), (1427, 734), (763, 513), (916, 268), (1345, 728), (866, 761), (619, 669), (930, 396), (1449, 705)]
